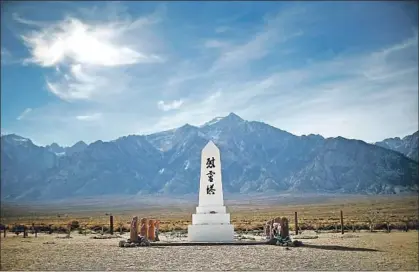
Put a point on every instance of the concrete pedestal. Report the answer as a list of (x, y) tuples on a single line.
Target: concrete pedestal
[(211, 222), (210, 226), (211, 233), (206, 219)]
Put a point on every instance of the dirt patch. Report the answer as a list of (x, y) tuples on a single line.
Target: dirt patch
[(368, 251)]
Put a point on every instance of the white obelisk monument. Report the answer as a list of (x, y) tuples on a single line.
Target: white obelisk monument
[(211, 222)]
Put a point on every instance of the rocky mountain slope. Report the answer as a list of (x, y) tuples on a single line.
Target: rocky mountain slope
[(256, 157), (59, 150), (407, 146)]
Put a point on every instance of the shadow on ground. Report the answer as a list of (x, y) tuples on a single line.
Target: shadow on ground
[(341, 248)]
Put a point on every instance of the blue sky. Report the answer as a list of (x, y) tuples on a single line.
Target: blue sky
[(75, 71)]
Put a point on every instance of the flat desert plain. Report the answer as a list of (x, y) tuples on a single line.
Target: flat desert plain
[(330, 251)]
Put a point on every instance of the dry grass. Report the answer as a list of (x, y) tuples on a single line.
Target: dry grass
[(397, 211), (331, 251)]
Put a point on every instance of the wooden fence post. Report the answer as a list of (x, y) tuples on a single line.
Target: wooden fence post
[(120, 227), (69, 230), (341, 222), (111, 224), (407, 225), (296, 223)]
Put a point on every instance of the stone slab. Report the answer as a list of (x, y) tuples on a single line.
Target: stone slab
[(219, 218), (234, 243), (211, 233)]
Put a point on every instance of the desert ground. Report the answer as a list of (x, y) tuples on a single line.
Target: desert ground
[(330, 251), (324, 247)]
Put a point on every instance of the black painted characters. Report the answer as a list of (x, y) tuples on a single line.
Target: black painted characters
[(210, 162), (210, 189), (210, 174)]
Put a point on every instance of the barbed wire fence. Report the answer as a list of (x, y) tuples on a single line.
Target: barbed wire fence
[(372, 220)]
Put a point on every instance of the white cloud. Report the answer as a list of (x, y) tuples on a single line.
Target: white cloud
[(194, 114), (175, 104), (24, 113), (79, 42), (369, 95), (90, 57), (215, 44), (90, 117)]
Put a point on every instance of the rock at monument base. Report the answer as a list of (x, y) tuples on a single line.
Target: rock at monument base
[(143, 241), (143, 227), (285, 242), (151, 232), (134, 229), (140, 242), (284, 227), (297, 243)]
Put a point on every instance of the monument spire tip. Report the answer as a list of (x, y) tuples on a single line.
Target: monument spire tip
[(210, 143)]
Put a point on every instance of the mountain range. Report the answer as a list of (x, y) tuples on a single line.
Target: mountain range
[(256, 157), (407, 146)]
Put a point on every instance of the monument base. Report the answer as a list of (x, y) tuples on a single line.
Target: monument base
[(210, 219), (211, 233)]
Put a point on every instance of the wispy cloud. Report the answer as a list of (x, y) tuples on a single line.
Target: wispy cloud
[(275, 31), (24, 114), (222, 29), (21, 20), (199, 110), (215, 44), (327, 97), (176, 104), (145, 75), (7, 57), (90, 117)]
